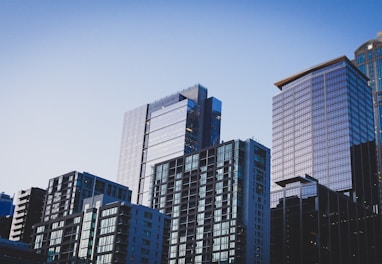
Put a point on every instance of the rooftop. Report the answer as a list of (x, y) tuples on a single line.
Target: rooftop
[(282, 83)]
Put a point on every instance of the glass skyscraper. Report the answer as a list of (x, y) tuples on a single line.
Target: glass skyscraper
[(368, 59), (172, 126), (323, 126)]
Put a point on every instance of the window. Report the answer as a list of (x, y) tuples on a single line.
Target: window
[(148, 215), (105, 244), (107, 225)]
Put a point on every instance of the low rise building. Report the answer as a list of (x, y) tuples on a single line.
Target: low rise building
[(105, 232), (312, 224)]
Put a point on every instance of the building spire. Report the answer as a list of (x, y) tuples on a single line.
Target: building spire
[(379, 34)]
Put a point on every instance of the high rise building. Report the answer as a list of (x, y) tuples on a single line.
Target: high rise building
[(218, 200), (65, 193), (368, 59), (175, 125), (28, 210), (105, 232), (312, 224), (323, 126)]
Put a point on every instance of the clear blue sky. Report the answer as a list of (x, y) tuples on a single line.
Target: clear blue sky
[(70, 69)]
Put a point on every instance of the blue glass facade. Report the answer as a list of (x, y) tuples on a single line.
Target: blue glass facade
[(6, 205), (368, 59), (175, 125), (323, 126)]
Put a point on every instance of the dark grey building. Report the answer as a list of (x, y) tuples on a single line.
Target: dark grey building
[(312, 224), (5, 226), (65, 193), (105, 232), (218, 200), (172, 126), (28, 210), (16, 252)]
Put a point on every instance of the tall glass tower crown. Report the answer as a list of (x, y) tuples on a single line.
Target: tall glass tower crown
[(368, 59), (323, 126), (170, 127)]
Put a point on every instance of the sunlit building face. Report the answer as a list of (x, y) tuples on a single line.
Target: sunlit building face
[(323, 126), (172, 126)]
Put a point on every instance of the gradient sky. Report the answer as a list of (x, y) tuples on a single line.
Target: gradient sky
[(70, 69)]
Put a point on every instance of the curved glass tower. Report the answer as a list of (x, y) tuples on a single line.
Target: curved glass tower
[(368, 59)]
